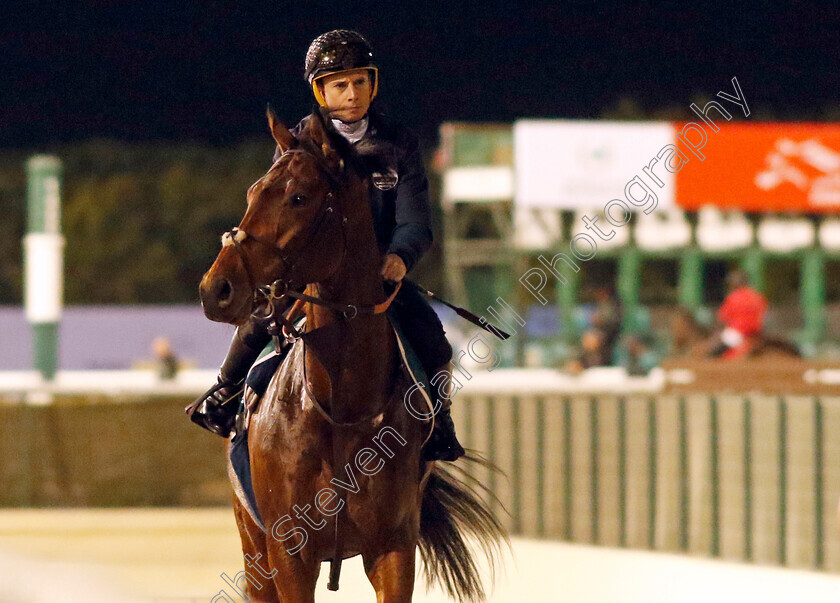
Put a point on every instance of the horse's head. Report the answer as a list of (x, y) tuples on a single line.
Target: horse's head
[(292, 229)]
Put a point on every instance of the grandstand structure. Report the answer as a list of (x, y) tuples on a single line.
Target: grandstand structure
[(763, 198)]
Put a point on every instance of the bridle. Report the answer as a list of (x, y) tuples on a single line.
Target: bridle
[(237, 236), (271, 296)]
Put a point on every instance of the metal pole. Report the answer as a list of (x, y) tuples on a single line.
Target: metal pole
[(714, 477), (44, 260), (819, 530), (594, 480), (622, 471), (517, 465), (782, 404), (541, 462), (685, 500), (567, 468), (652, 470), (748, 481)]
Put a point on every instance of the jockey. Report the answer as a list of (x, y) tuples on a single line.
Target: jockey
[(341, 71), (742, 316)]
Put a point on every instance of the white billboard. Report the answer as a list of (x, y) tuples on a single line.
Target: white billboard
[(584, 164)]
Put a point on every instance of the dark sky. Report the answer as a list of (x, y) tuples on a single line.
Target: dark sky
[(149, 69)]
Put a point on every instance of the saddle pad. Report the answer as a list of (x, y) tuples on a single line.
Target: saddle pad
[(239, 472), (267, 364), (239, 466)]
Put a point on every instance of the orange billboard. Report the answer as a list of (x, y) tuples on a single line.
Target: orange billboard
[(760, 167)]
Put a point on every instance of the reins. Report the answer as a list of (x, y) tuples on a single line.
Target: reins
[(347, 311)]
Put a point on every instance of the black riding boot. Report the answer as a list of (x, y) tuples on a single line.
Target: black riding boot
[(216, 409), (443, 444)]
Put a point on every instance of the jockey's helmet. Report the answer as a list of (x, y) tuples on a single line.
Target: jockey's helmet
[(336, 51)]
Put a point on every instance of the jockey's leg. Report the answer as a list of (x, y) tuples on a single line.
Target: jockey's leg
[(425, 333), (215, 409), (443, 445), (729, 339)]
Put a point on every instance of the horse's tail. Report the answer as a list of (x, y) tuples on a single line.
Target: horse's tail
[(452, 508)]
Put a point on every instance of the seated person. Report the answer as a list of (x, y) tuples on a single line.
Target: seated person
[(591, 352), (638, 357)]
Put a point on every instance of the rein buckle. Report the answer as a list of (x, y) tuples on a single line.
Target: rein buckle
[(278, 288)]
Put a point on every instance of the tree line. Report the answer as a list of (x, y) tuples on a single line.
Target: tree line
[(141, 221)]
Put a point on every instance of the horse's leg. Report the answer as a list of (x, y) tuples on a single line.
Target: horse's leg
[(296, 574), (255, 558), (392, 575)]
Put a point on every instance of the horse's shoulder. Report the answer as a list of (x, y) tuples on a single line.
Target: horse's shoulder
[(288, 377)]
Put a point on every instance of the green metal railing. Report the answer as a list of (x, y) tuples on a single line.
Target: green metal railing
[(730, 476)]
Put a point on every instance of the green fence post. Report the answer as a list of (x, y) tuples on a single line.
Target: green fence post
[(481, 287), (691, 279), (752, 262), (629, 272), (567, 298), (812, 295)]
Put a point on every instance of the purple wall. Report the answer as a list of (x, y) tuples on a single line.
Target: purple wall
[(116, 337)]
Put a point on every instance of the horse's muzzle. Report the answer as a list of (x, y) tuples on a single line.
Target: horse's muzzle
[(218, 298)]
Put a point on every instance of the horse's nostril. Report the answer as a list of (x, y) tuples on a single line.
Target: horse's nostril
[(224, 293)]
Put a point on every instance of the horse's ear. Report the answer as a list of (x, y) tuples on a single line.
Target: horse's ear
[(320, 137), (281, 134)]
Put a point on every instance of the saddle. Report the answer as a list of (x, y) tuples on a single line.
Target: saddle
[(259, 377)]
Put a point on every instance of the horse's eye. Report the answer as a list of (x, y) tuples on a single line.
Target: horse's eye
[(297, 200)]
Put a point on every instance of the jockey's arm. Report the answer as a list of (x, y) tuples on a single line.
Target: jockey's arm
[(412, 235)]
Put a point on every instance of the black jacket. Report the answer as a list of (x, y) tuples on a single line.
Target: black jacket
[(399, 190)]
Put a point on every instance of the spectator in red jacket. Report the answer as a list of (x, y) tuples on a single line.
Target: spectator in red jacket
[(742, 316)]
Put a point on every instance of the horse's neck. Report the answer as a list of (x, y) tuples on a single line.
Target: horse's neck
[(367, 349)]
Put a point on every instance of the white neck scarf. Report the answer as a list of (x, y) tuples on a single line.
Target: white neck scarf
[(353, 131)]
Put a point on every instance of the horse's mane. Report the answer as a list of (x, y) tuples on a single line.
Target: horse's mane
[(339, 144)]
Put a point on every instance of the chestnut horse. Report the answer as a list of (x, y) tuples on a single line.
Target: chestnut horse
[(334, 449), (689, 339)]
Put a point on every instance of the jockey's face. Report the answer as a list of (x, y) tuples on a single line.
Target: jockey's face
[(347, 94)]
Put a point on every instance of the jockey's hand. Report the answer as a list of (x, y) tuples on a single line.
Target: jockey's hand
[(393, 268)]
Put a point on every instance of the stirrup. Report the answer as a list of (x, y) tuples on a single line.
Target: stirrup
[(216, 409)]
